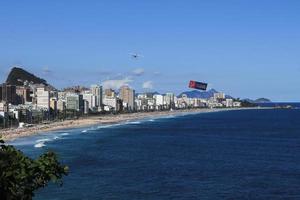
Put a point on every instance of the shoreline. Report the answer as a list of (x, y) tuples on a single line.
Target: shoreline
[(12, 134)]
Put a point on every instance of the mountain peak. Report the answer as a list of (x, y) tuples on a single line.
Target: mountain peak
[(199, 94), (18, 75)]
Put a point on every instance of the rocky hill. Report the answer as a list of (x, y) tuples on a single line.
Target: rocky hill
[(18, 75), (260, 100), (201, 94)]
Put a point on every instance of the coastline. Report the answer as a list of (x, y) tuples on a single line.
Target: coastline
[(11, 134)]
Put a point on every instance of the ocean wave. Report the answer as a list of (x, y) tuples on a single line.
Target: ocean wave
[(107, 126), (39, 145), (84, 131), (169, 117), (134, 122), (56, 137), (43, 140), (65, 134)]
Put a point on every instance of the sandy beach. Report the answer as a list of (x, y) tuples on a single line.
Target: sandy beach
[(11, 134)]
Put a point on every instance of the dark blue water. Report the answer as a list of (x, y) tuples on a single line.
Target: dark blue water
[(253, 154), (276, 104)]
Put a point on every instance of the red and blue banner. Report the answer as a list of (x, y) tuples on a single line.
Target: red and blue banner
[(198, 85)]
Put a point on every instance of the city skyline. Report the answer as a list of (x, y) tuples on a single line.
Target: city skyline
[(247, 50)]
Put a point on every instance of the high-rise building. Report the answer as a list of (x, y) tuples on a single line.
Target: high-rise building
[(75, 102), (53, 103), (219, 95), (23, 93), (128, 97), (170, 100), (112, 104), (97, 91), (3, 107), (229, 102), (0, 93), (91, 99), (8, 93), (159, 101), (86, 107), (43, 98), (61, 104), (109, 93)]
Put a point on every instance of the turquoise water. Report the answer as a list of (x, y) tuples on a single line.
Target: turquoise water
[(249, 154)]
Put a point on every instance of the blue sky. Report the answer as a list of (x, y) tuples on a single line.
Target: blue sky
[(244, 48)]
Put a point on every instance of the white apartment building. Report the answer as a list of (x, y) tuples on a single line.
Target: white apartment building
[(229, 103), (219, 95), (169, 98), (110, 103), (91, 99), (159, 99), (96, 90), (61, 104), (42, 98)]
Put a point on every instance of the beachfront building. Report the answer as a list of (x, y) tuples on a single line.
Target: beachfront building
[(159, 101), (96, 90), (75, 102), (61, 104), (228, 103), (61, 95), (53, 103), (170, 99), (42, 98), (185, 101), (109, 93), (236, 104), (127, 95), (92, 101), (214, 103), (24, 94), (219, 95), (145, 102), (110, 103), (3, 107), (86, 108), (3, 110), (8, 93)]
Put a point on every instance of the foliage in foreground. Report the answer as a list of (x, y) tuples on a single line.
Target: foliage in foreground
[(20, 175)]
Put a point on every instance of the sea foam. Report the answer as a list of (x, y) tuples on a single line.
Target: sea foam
[(39, 145), (43, 140), (134, 122)]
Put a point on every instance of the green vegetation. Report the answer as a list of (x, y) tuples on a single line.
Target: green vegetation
[(20, 175), (247, 104), (262, 100)]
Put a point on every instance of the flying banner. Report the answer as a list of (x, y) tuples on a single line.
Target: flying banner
[(198, 85)]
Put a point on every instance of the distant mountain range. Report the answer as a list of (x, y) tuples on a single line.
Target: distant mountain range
[(210, 93), (260, 100), (201, 94)]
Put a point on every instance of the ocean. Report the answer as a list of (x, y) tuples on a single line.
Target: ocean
[(241, 154)]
